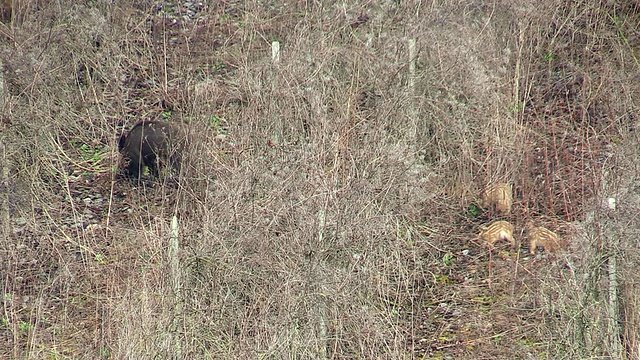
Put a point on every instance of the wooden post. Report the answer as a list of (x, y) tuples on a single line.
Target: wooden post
[(174, 263)]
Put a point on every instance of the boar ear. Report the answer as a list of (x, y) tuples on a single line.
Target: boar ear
[(121, 141)]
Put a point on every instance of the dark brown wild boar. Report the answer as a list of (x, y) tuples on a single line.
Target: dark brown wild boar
[(154, 144)]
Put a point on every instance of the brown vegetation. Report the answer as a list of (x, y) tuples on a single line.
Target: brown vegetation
[(332, 209)]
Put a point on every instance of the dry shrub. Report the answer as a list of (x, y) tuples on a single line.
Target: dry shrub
[(328, 203)]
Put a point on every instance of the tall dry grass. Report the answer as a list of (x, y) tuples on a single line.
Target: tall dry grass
[(330, 202)]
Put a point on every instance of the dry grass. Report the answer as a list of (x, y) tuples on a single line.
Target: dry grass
[(331, 203)]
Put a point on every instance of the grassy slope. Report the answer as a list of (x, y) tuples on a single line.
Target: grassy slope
[(328, 209)]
